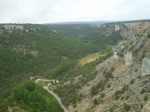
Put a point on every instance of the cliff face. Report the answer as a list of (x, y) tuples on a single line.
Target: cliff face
[(127, 90), (139, 26), (106, 83)]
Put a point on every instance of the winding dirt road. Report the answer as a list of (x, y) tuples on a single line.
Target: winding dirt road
[(58, 99)]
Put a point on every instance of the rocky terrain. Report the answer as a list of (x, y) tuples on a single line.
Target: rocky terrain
[(86, 80), (127, 89)]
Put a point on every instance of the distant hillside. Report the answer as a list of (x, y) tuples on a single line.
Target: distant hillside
[(112, 83), (99, 35), (73, 30), (132, 21), (28, 49), (105, 35), (98, 22)]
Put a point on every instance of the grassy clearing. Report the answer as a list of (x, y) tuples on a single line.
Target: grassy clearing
[(44, 83), (90, 58)]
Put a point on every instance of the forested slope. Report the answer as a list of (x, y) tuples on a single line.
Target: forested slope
[(99, 35), (29, 96), (105, 35), (73, 30), (27, 50)]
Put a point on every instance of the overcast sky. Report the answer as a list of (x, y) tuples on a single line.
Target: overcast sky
[(50, 11)]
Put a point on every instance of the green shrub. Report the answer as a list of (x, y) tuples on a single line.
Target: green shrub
[(112, 69), (101, 85), (143, 90), (95, 101), (74, 105), (143, 55), (94, 90), (148, 35), (141, 105), (132, 81), (126, 107), (127, 97), (120, 92), (108, 75), (111, 109), (117, 97), (145, 98), (122, 98), (108, 85), (102, 94)]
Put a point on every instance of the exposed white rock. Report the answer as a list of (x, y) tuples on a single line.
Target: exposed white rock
[(38, 80), (27, 30), (54, 31), (8, 27), (146, 66), (115, 55), (49, 85), (146, 108), (99, 69), (128, 58), (33, 29), (34, 77), (139, 26), (57, 81), (11, 28), (65, 58), (19, 27), (117, 27)]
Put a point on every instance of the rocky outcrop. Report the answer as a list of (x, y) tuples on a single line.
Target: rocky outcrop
[(146, 107), (146, 66), (128, 58)]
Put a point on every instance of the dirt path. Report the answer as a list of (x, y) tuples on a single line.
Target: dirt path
[(58, 99)]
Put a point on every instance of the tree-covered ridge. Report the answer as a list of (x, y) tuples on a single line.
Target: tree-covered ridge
[(29, 96), (73, 30), (36, 48), (70, 85), (105, 35), (99, 35), (38, 39), (28, 49)]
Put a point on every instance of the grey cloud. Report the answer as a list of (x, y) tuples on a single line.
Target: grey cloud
[(46, 11)]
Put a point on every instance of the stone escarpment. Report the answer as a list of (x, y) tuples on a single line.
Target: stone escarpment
[(127, 89)]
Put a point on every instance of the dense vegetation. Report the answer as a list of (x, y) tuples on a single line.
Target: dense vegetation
[(33, 50), (118, 93), (37, 50), (44, 42), (100, 86), (105, 35), (74, 30), (99, 36), (86, 73), (29, 96)]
